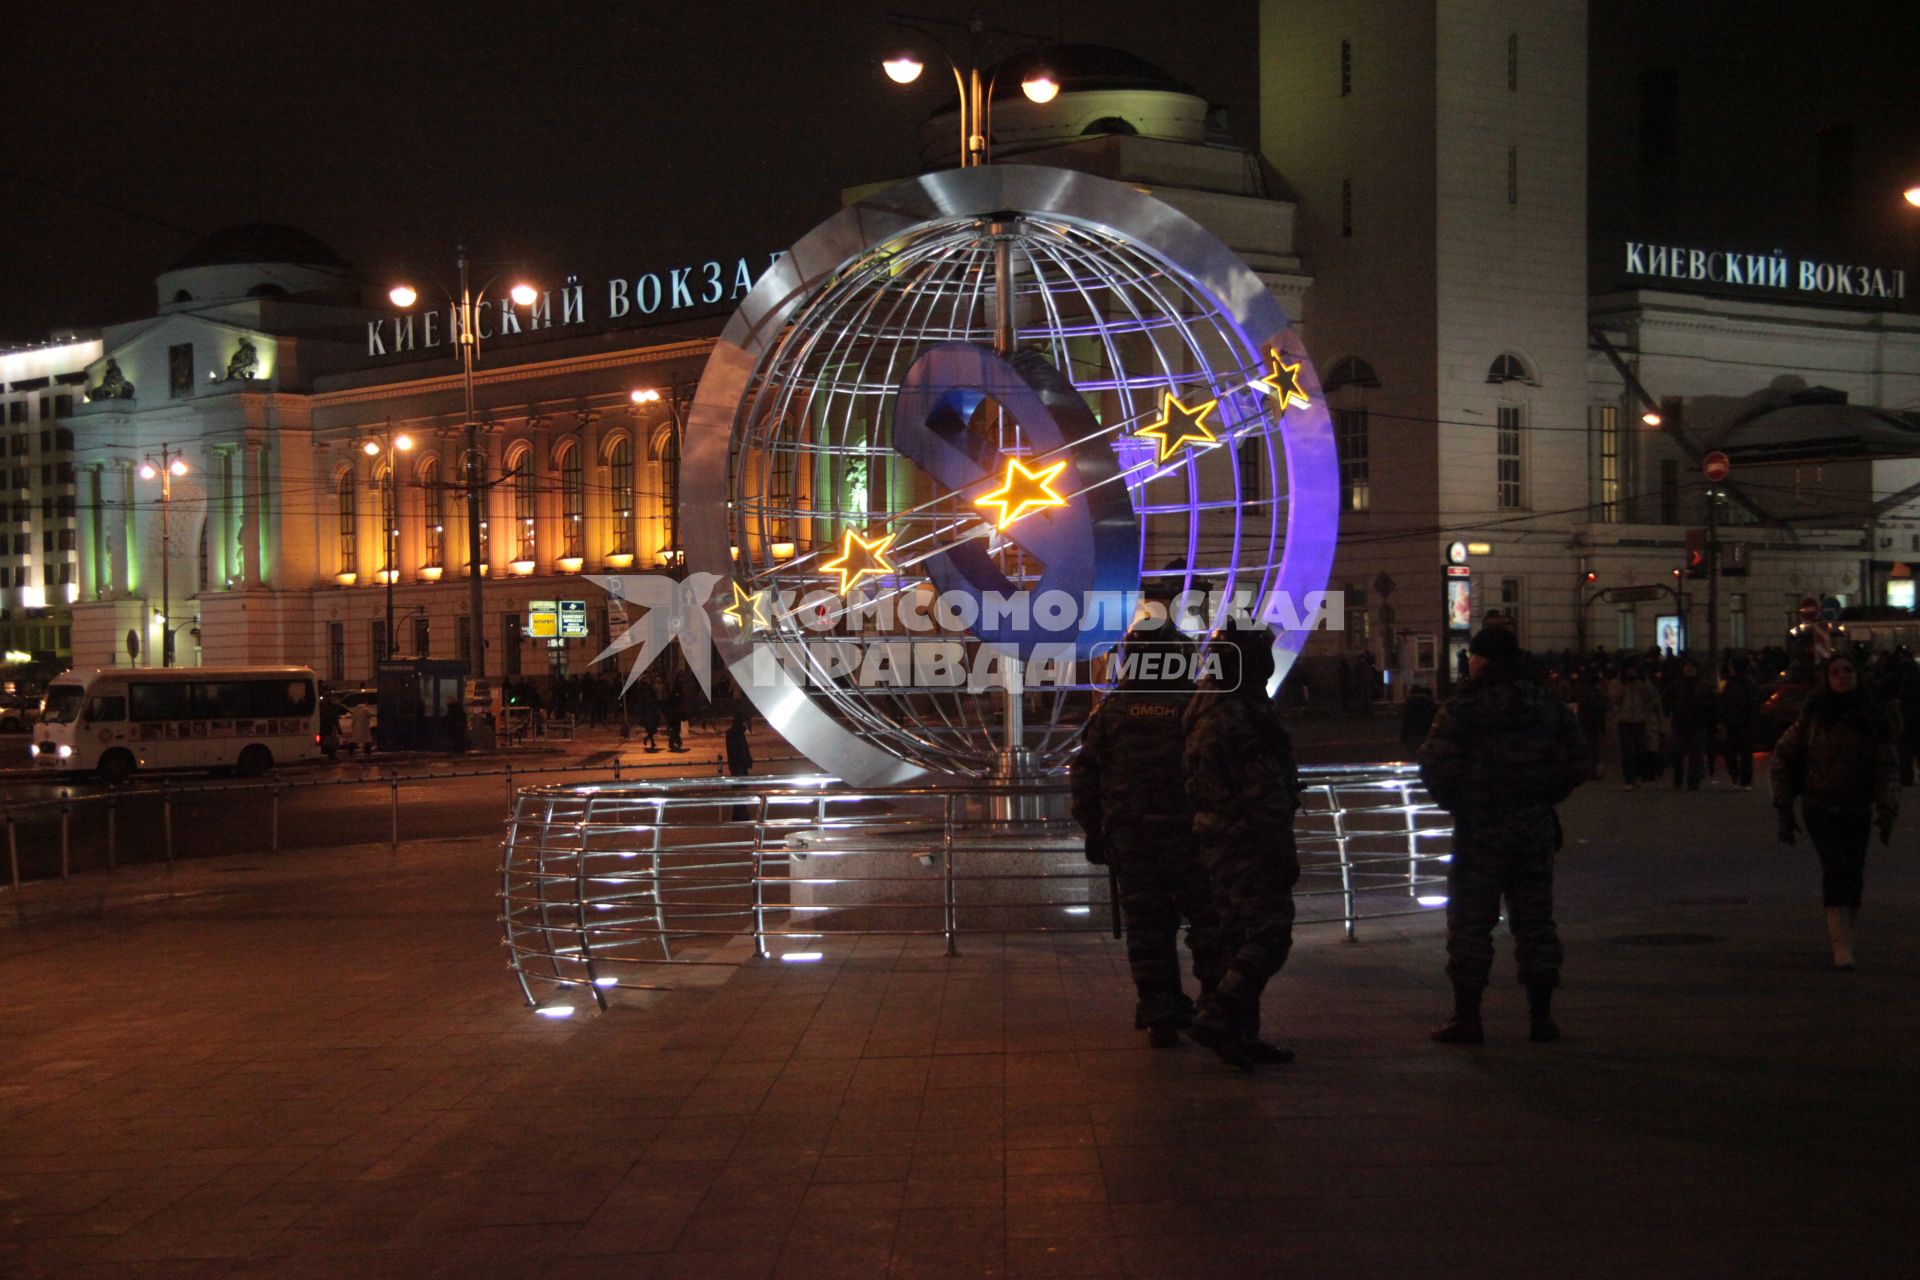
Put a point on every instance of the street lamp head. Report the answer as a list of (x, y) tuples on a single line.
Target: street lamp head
[(903, 68), (1040, 86), (178, 467), (403, 442), (523, 295), (147, 472), (1912, 195), (1651, 418), (644, 395), (403, 295), (371, 448)]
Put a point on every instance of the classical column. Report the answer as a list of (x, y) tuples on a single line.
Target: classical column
[(249, 457)]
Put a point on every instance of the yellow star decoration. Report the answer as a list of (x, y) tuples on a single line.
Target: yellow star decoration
[(1178, 426), (1023, 490), (1284, 382), (860, 558), (749, 608)]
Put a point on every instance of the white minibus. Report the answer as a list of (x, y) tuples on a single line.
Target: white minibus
[(112, 721)]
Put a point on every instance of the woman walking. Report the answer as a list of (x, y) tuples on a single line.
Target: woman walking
[(1839, 761)]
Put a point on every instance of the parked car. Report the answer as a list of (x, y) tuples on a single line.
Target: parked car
[(18, 714)]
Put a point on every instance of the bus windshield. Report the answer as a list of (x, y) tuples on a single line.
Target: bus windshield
[(63, 703)]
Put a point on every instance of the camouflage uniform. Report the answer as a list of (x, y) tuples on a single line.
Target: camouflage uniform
[(1241, 778), (1127, 795), (1503, 751)]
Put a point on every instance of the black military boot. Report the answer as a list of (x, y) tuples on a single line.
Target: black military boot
[(1464, 1027), (1263, 1053), (1541, 1028), (1216, 1026)]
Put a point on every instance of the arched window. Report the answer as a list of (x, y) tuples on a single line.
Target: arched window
[(433, 510), (670, 485), (573, 502), (1349, 371), (520, 469), (349, 521), (620, 473), (1110, 124), (181, 295), (1508, 367)]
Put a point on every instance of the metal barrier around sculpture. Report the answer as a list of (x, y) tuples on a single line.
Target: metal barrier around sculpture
[(616, 886)]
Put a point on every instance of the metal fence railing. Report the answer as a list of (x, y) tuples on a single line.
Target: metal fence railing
[(616, 885), (162, 818)]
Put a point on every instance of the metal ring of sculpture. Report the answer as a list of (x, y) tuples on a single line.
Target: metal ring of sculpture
[(989, 380)]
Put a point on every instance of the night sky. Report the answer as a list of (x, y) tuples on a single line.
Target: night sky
[(603, 139), (583, 138)]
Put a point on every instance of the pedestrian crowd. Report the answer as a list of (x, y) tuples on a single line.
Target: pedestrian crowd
[(1188, 795)]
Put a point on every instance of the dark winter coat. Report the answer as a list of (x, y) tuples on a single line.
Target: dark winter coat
[(1841, 764), (1503, 742)]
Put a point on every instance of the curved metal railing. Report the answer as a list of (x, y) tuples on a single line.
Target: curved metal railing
[(611, 885)]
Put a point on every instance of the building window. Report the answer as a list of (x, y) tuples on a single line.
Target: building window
[(1623, 637), (1346, 68), (1346, 207), (670, 485), (1513, 175), (180, 370), (1247, 454), (573, 502), (1737, 621), (1349, 371), (349, 520), (1513, 61), (1508, 367), (1604, 421), (336, 651), (1508, 463), (376, 645), (1350, 439), (510, 645), (525, 502), (1510, 600), (620, 472), (63, 408), (463, 638), (422, 634), (1670, 491), (433, 511)]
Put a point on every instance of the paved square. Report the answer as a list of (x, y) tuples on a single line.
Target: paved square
[(317, 1065)]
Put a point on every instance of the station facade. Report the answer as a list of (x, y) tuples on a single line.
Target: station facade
[(1420, 202)]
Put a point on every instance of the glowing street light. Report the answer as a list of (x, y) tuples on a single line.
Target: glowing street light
[(390, 517), (467, 336), (1912, 195), (165, 468), (976, 98)]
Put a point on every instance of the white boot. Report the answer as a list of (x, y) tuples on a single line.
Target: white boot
[(1840, 933)]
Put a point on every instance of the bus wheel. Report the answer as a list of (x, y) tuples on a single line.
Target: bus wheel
[(254, 761), (116, 766)]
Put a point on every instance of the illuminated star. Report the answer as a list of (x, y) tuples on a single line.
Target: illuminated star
[(1023, 490), (1284, 382), (860, 558), (1178, 426), (748, 607)]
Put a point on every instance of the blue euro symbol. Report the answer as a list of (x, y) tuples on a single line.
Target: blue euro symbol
[(1089, 546)]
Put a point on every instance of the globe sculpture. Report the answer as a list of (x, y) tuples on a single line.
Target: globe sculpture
[(1004, 386)]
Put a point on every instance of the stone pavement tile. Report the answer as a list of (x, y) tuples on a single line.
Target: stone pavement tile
[(730, 1230), (944, 1191), (625, 1266), (1063, 1256), (1056, 1188), (944, 1243)]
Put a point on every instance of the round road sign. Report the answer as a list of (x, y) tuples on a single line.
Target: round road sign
[(1715, 466)]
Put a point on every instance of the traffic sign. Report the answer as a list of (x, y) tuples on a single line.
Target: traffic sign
[(573, 619), (1715, 466), (1633, 595)]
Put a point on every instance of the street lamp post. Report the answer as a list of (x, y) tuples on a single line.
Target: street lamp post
[(467, 338), (168, 465), (976, 98), (394, 446)]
